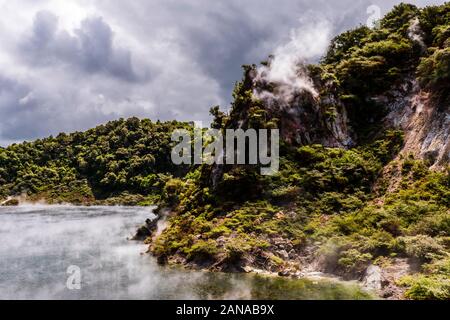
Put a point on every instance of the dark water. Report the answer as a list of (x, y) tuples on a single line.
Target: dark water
[(41, 246)]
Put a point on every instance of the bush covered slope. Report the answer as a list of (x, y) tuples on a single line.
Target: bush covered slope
[(355, 187), (125, 159)]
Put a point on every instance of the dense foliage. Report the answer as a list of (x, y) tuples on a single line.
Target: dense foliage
[(346, 209), (365, 63), (125, 158)]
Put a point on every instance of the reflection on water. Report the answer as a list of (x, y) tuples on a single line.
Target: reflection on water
[(39, 243)]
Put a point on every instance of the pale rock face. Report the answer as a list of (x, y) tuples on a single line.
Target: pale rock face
[(415, 32), (428, 131), (426, 124), (373, 278), (283, 254), (306, 121), (425, 121)]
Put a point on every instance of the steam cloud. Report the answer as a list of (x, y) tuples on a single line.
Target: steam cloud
[(39, 242), (286, 69)]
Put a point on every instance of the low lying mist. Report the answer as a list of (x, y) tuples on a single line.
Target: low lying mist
[(39, 244)]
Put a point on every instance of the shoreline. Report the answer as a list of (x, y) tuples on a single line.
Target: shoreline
[(378, 282), (376, 287), (328, 284)]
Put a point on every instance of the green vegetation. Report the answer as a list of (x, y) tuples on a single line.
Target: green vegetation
[(365, 63), (435, 69), (343, 208), (125, 161)]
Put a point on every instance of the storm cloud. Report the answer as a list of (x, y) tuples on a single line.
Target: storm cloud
[(91, 48), (71, 65)]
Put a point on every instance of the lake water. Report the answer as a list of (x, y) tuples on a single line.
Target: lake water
[(66, 252)]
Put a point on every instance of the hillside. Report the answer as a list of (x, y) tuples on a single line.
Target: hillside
[(121, 162), (364, 178), (363, 190)]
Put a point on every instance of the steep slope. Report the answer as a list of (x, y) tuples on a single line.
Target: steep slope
[(364, 182), (426, 123)]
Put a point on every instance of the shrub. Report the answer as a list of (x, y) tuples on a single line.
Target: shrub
[(202, 250), (236, 248), (172, 190), (399, 18), (354, 261), (423, 287), (342, 45), (435, 69), (435, 225), (422, 247)]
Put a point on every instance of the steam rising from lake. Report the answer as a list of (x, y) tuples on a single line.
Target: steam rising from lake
[(39, 243)]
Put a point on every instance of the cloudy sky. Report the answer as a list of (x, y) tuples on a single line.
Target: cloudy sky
[(70, 65)]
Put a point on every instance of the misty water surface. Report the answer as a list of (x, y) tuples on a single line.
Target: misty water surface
[(39, 243)]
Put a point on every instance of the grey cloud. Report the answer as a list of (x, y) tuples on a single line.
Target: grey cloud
[(161, 59), (26, 114), (91, 49), (44, 29)]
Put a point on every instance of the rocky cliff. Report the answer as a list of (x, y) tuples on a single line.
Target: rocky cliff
[(363, 183)]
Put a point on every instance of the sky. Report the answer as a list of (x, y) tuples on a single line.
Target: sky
[(71, 65)]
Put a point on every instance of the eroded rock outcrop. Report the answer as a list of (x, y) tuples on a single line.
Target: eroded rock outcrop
[(147, 230), (424, 117)]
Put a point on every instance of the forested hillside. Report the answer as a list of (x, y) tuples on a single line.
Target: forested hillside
[(124, 161)]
